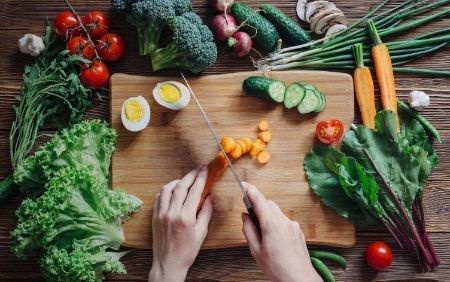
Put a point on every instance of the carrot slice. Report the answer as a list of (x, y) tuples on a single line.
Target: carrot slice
[(237, 152), (256, 148), (228, 144), (243, 146), (263, 157), (263, 125), (262, 144), (216, 167), (247, 142), (265, 136)]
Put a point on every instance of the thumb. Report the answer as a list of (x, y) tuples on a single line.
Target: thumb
[(251, 234)]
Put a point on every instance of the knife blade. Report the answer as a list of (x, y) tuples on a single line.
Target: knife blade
[(247, 203)]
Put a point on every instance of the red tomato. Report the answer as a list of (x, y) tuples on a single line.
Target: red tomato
[(329, 131), (95, 75), (80, 45), (379, 256), (96, 23), (110, 47), (66, 25)]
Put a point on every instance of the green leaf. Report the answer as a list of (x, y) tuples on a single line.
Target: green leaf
[(386, 122), (326, 185)]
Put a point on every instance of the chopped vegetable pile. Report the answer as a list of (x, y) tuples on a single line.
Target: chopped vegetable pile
[(72, 220)]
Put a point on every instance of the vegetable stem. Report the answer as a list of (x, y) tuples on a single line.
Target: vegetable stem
[(374, 33)]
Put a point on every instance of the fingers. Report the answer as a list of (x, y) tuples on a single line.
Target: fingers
[(165, 196), (251, 234), (156, 205), (181, 190), (259, 202), (274, 207), (204, 215), (195, 193)]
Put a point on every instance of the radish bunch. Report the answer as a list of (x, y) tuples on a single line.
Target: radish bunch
[(226, 29)]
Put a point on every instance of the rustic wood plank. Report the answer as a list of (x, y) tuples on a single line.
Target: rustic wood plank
[(19, 17)]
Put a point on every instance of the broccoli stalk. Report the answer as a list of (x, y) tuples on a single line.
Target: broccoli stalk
[(148, 38)]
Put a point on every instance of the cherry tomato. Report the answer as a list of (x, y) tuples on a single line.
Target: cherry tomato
[(329, 131), (95, 75), (110, 47), (66, 25), (379, 256), (96, 23), (80, 45)]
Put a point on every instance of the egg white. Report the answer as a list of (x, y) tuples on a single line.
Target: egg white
[(143, 122), (185, 97)]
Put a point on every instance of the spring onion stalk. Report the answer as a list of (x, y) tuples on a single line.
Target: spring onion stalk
[(336, 53)]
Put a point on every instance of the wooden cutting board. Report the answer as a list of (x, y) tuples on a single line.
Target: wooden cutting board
[(178, 141)]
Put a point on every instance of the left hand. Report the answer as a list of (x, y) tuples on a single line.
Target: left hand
[(178, 232)]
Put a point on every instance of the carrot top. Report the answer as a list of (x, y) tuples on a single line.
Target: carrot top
[(358, 55), (374, 33)]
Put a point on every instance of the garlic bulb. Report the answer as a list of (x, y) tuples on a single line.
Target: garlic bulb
[(31, 44), (419, 100)]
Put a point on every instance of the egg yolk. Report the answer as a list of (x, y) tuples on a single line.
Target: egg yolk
[(169, 93), (134, 111)]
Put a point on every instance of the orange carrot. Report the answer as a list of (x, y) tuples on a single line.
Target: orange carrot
[(228, 144), (385, 73), (263, 157), (256, 148), (364, 89), (263, 125), (215, 169), (247, 142), (243, 146), (237, 152), (262, 144), (265, 136)]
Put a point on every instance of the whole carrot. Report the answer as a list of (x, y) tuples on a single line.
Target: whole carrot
[(216, 168), (385, 74), (364, 89)]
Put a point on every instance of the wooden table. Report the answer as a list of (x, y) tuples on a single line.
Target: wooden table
[(236, 264)]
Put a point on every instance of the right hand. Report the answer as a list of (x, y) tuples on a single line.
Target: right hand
[(280, 250)]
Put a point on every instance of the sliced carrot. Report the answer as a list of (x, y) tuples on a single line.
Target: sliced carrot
[(243, 146), (237, 152), (262, 144), (228, 144), (265, 136), (215, 169), (263, 125), (263, 157), (247, 142), (256, 148)]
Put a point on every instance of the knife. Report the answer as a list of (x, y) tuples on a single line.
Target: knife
[(247, 203)]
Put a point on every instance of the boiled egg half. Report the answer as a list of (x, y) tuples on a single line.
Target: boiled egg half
[(172, 95), (135, 113)]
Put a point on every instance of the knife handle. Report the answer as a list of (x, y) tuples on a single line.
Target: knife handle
[(254, 219)]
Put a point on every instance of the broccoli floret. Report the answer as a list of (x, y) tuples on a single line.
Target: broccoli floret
[(191, 47), (182, 6), (149, 17)]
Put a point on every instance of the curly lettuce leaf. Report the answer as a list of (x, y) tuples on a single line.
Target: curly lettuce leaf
[(89, 143), (82, 263), (74, 206), (326, 175)]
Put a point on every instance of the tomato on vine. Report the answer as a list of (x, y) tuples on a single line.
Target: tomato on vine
[(95, 75), (66, 25), (79, 45), (111, 47), (96, 23)]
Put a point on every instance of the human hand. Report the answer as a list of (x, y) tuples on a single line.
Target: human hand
[(280, 250), (178, 232)]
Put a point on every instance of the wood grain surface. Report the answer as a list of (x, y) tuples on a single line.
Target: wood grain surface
[(179, 141), (18, 17)]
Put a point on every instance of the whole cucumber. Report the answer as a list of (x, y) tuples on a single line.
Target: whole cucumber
[(289, 29), (263, 32)]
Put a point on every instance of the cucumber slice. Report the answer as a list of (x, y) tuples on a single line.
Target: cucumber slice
[(294, 95), (324, 102), (265, 88), (309, 103)]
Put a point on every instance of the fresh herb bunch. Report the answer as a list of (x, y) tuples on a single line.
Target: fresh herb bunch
[(51, 86), (379, 177)]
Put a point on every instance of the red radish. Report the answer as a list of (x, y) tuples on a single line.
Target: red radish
[(221, 5), (241, 43), (224, 26)]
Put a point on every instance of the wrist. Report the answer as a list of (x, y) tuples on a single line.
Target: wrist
[(159, 273)]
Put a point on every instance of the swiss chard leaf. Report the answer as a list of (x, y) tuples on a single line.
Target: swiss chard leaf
[(327, 186)]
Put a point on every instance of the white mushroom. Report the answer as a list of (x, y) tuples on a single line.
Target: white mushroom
[(419, 100), (31, 44), (335, 29), (301, 7), (320, 15), (314, 7), (327, 21)]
